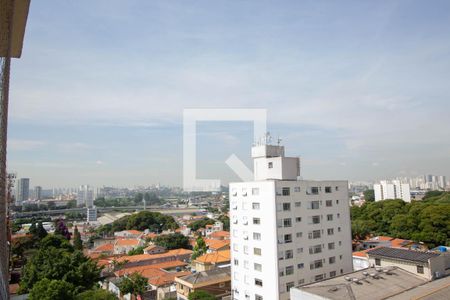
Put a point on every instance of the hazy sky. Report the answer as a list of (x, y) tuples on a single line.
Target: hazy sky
[(359, 89)]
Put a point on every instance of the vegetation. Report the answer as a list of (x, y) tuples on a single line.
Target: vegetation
[(200, 248), (77, 243), (61, 229), (47, 289), (196, 225), (150, 199), (172, 241), (201, 295), (136, 251), (56, 260), (369, 195), (226, 222), (426, 221), (96, 294), (154, 221), (134, 284)]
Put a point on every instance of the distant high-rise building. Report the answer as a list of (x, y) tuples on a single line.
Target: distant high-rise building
[(91, 214), (442, 182), (38, 192), (392, 190), (284, 231), (22, 190), (85, 196)]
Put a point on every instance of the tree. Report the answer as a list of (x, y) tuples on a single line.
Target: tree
[(55, 241), (172, 241), (47, 289), (33, 229), (77, 243), (72, 204), (40, 231), (201, 295), (59, 264), (369, 195), (360, 230), (200, 248), (225, 221), (136, 251), (134, 284), (96, 294), (196, 225), (61, 229)]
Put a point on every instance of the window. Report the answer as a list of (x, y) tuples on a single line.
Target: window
[(314, 205), (339, 229), (298, 204), (289, 254), (289, 285), (317, 264), (301, 281), (329, 203), (245, 249), (300, 266), (258, 282), (330, 231), (298, 219), (297, 189), (235, 247), (257, 267), (340, 257), (328, 189), (244, 220), (287, 222), (270, 165), (420, 269), (315, 234), (256, 221), (315, 219), (287, 238), (333, 274), (234, 205), (255, 205), (338, 215), (244, 192), (286, 191), (315, 249), (331, 260), (255, 191), (234, 192), (236, 262), (340, 243), (336, 188), (329, 217), (258, 297), (299, 250), (256, 236), (337, 201), (246, 264), (257, 251), (330, 246), (318, 277), (286, 206), (313, 191), (289, 270), (299, 234), (377, 262)]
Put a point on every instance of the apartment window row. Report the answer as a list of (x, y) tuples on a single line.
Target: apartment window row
[(255, 192), (256, 251), (314, 190), (245, 205)]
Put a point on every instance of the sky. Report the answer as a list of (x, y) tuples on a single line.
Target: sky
[(359, 89)]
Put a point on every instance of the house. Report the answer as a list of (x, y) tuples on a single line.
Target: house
[(154, 249), (123, 246), (217, 226), (386, 241), (128, 234), (160, 277), (216, 282), (220, 235), (212, 260), (429, 265), (105, 249), (149, 259), (217, 245)]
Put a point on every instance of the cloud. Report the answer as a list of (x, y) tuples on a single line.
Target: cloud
[(25, 145)]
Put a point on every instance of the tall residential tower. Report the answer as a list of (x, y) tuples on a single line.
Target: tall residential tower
[(284, 231)]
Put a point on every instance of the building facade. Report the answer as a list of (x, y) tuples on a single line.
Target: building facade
[(85, 196), (22, 190), (286, 232), (394, 189)]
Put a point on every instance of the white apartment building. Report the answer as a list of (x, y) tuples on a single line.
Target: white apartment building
[(85, 196), (286, 232), (394, 189)]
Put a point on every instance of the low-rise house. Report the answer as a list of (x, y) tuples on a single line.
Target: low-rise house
[(212, 260), (220, 235), (154, 249), (429, 265), (386, 241), (216, 282), (149, 259), (123, 246), (217, 245), (105, 249), (128, 234), (217, 226)]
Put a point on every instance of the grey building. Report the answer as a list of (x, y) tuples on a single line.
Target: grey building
[(22, 190)]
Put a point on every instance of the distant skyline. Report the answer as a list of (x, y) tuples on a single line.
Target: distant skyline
[(358, 89)]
